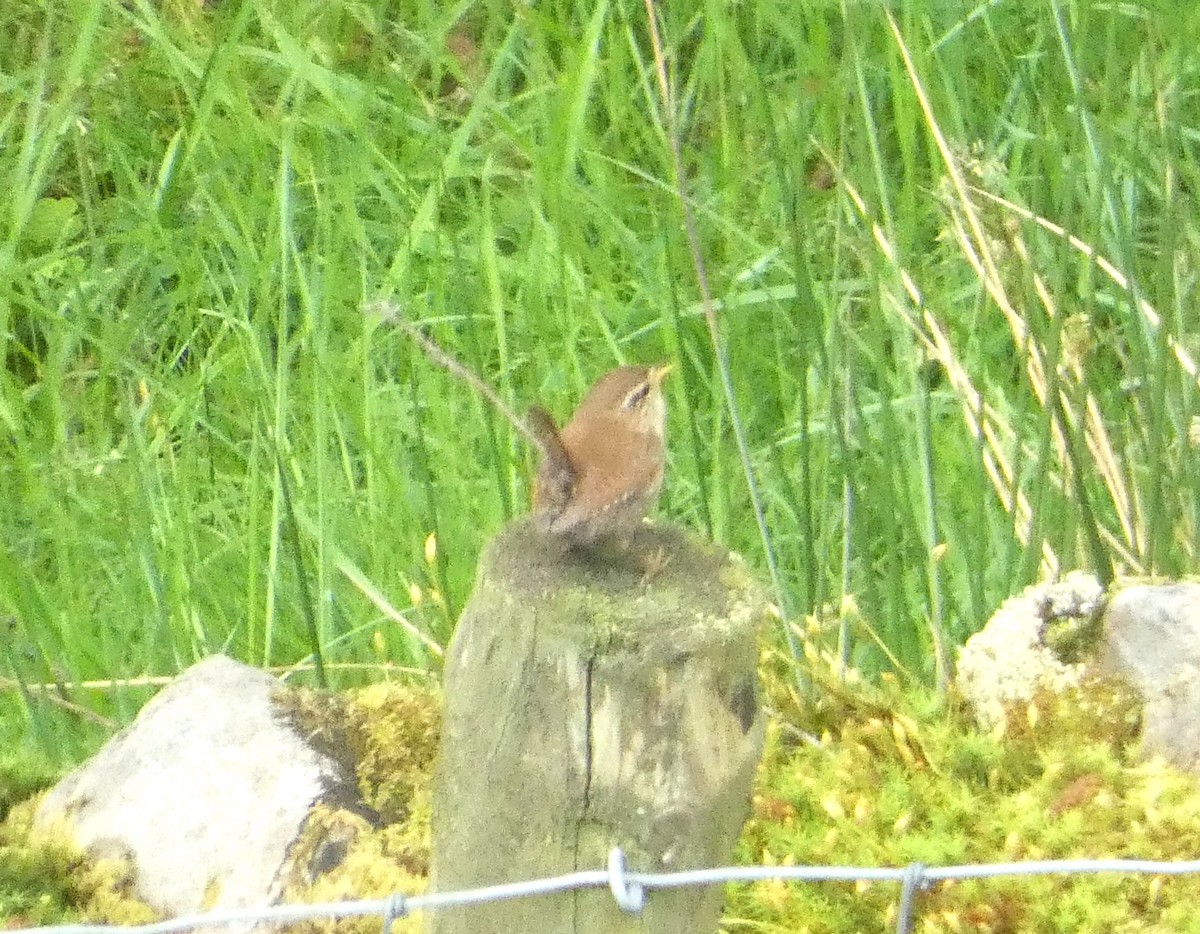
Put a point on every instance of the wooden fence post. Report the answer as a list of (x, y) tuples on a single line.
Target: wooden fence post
[(592, 701)]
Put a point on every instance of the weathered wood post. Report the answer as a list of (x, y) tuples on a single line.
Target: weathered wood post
[(589, 707)]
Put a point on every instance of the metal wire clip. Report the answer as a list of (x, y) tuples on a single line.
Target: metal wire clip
[(629, 895)]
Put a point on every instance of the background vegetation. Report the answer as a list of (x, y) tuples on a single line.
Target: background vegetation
[(951, 250)]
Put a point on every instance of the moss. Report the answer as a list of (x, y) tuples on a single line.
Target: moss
[(321, 718), (390, 734), (894, 776), (43, 879), (368, 863), (602, 582), (394, 732), (108, 884), (385, 734), (35, 880)]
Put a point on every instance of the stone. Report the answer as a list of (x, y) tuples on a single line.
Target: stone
[(1151, 640), (1011, 659), (204, 792)]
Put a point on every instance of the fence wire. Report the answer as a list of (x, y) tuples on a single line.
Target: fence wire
[(629, 890)]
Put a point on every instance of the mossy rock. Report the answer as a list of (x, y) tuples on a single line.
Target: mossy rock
[(363, 848)]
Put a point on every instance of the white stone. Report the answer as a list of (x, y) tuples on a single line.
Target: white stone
[(1008, 661), (1151, 639), (204, 791)]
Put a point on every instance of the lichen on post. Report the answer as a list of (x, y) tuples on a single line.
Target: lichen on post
[(596, 699)]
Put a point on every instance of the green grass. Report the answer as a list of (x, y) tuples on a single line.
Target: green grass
[(953, 262)]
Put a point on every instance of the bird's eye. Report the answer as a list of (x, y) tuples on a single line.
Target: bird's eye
[(637, 396)]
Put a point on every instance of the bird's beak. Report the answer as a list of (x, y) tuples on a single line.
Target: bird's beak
[(659, 373)]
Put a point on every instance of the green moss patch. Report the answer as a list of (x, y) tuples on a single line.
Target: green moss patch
[(876, 776), (44, 880), (390, 734)]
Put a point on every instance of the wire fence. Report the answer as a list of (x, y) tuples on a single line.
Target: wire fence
[(629, 890)]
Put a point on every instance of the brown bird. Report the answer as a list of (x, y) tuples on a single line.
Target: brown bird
[(602, 472)]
